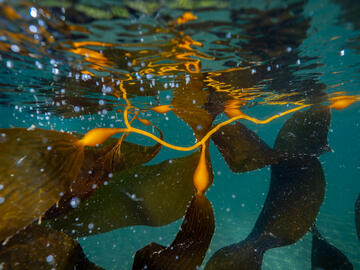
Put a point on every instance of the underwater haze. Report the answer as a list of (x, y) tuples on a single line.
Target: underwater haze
[(180, 134)]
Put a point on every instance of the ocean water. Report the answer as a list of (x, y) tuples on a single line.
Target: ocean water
[(77, 65)]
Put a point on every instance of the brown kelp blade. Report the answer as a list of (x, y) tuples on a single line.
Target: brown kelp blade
[(188, 102), (357, 216), (326, 256), (296, 192), (243, 149), (188, 249), (37, 247), (295, 195), (306, 132), (97, 166), (151, 195), (36, 166)]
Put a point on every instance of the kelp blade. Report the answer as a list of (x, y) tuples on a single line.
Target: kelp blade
[(188, 249), (37, 247), (98, 165), (243, 149), (357, 216), (326, 256), (306, 132), (152, 195), (36, 166), (295, 195)]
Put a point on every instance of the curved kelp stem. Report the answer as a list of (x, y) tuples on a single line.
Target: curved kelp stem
[(188, 249)]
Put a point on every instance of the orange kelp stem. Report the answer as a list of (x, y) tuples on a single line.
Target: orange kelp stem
[(342, 102), (201, 174), (99, 135)]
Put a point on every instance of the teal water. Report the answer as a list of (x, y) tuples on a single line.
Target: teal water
[(309, 49)]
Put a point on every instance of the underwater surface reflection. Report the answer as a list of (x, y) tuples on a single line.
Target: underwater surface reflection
[(179, 134)]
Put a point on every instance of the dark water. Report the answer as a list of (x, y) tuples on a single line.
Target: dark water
[(67, 66)]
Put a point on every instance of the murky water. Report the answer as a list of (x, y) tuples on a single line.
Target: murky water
[(176, 69)]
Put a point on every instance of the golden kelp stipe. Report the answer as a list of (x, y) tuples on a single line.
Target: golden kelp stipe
[(37, 247), (342, 102), (201, 174), (188, 249), (36, 167)]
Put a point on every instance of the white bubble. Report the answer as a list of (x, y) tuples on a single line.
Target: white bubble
[(33, 12), (33, 28), (342, 52), (75, 202), (2, 200), (15, 48), (50, 259), (9, 64), (38, 65), (76, 109), (1, 186)]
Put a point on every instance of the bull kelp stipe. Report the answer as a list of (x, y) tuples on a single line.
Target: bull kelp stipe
[(188, 249), (36, 167)]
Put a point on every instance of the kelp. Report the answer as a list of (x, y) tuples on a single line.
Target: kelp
[(152, 195), (36, 167), (357, 216), (296, 192), (242, 149), (37, 247), (188, 102), (306, 132), (326, 256), (188, 249), (98, 165)]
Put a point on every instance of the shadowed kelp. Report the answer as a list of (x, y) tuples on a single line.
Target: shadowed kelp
[(296, 192), (295, 195), (325, 256), (357, 216), (243, 149), (37, 247), (306, 132), (36, 166), (188, 249), (151, 195)]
